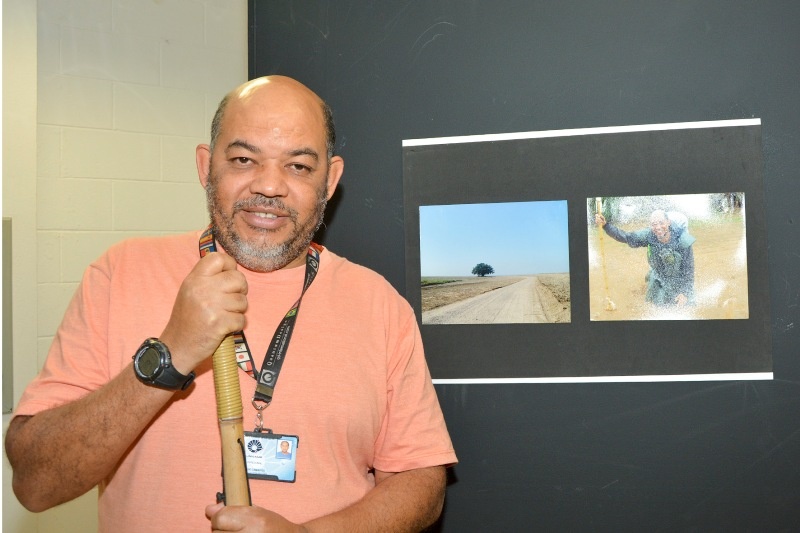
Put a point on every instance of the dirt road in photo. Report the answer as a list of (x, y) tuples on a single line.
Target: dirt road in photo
[(498, 300)]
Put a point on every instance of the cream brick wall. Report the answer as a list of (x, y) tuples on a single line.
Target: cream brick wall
[(19, 199), (124, 89)]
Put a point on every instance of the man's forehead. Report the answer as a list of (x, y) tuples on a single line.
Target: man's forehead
[(658, 216), (266, 112), (268, 148), (251, 127)]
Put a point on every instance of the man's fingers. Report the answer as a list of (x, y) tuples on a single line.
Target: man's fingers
[(231, 281), (237, 303), (213, 509), (223, 268), (214, 263)]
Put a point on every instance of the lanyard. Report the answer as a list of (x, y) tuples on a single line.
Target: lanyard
[(267, 378)]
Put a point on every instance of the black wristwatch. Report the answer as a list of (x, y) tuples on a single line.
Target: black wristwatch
[(153, 366)]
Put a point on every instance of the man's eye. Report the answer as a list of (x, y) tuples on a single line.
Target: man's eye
[(241, 160), (297, 167)]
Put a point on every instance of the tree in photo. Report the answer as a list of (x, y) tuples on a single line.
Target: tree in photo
[(482, 269)]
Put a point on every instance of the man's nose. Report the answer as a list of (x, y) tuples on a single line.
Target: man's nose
[(269, 180)]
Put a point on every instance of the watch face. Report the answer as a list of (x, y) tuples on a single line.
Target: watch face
[(149, 362)]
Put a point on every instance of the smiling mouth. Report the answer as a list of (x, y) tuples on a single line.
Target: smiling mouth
[(264, 215), (266, 221)]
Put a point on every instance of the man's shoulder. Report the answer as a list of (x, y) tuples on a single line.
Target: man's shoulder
[(157, 243), (141, 251), (346, 271), (342, 264), (685, 239)]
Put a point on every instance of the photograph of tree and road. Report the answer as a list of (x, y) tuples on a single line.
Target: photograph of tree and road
[(495, 263)]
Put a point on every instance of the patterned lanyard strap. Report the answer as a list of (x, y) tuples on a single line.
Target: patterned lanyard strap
[(267, 378)]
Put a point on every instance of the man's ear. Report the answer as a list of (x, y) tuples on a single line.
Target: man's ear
[(203, 159), (335, 170)]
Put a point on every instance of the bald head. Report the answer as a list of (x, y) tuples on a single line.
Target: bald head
[(273, 88), (659, 223), (658, 216), (267, 178)]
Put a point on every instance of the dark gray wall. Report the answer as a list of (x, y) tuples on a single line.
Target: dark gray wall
[(581, 457)]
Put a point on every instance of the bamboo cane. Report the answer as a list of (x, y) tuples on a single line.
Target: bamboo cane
[(609, 305), (235, 488)]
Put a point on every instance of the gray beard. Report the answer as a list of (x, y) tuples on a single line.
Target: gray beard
[(257, 256)]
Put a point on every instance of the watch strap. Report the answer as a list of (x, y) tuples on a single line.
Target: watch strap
[(169, 378)]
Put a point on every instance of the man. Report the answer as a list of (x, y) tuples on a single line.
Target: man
[(670, 281), (284, 452), (354, 386)]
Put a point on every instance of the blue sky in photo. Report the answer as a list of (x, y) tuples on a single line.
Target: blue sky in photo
[(515, 238)]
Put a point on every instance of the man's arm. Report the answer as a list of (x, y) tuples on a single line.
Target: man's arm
[(403, 501), (61, 453), (635, 239)]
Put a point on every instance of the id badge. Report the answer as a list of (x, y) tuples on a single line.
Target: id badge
[(271, 456)]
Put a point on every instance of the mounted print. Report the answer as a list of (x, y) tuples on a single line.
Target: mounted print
[(664, 253), (671, 257), (494, 263)]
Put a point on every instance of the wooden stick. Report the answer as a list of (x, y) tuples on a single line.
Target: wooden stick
[(610, 306), (236, 490)]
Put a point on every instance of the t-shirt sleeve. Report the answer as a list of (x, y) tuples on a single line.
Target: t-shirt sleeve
[(634, 239), (77, 362), (413, 433)]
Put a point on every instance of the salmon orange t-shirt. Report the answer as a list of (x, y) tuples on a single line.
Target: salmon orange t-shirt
[(354, 386)]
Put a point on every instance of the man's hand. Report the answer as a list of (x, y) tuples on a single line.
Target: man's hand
[(400, 502), (210, 304), (681, 300), (600, 220), (253, 519)]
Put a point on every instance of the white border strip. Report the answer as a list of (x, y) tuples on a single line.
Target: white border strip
[(582, 131), (612, 379)]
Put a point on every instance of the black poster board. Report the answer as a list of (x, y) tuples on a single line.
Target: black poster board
[(667, 159), (699, 456)]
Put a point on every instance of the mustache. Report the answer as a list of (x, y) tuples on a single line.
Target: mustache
[(264, 202)]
